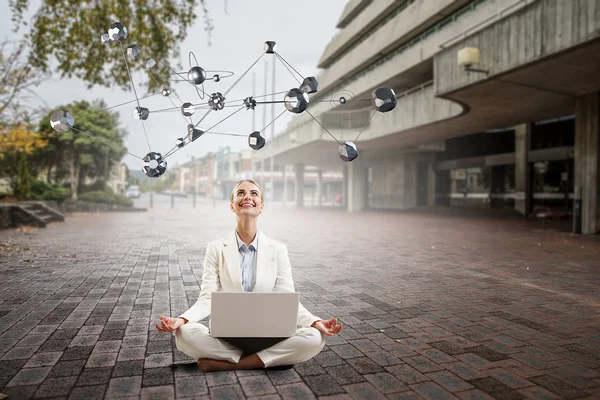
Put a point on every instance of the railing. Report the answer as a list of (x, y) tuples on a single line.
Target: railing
[(485, 22), (403, 47), (332, 121)]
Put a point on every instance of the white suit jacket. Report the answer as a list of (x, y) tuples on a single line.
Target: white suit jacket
[(222, 273)]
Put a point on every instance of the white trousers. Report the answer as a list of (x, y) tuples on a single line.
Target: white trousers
[(194, 340)]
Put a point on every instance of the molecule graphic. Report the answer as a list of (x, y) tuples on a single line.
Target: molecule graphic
[(296, 100)]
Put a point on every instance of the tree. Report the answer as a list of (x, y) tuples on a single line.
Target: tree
[(17, 141), (70, 32), (15, 76), (90, 154), (23, 188)]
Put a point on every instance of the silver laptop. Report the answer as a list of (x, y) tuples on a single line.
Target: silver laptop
[(250, 314)]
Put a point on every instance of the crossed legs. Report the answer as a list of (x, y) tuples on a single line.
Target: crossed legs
[(213, 354)]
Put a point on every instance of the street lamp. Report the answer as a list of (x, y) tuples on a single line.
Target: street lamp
[(468, 57)]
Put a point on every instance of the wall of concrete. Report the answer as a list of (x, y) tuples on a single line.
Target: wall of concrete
[(362, 22), (541, 29), (401, 28)]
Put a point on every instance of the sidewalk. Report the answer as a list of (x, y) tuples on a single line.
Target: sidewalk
[(436, 304)]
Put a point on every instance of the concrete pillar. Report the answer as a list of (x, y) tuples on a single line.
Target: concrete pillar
[(587, 143), (319, 188), (431, 185), (357, 186), (285, 185), (522, 184), (344, 202), (299, 185)]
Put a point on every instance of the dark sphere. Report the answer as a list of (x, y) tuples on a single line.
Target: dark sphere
[(343, 100)]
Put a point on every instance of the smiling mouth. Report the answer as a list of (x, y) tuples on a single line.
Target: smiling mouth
[(247, 205)]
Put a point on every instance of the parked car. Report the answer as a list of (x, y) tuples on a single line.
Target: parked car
[(133, 192)]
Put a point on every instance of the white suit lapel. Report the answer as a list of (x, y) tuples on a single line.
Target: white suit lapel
[(232, 262), (263, 263)]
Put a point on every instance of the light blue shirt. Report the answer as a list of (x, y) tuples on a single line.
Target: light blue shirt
[(248, 262)]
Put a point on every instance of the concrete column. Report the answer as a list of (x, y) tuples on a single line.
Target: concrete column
[(285, 185), (522, 184), (357, 186), (319, 188), (299, 186), (344, 186), (587, 143), (431, 185)]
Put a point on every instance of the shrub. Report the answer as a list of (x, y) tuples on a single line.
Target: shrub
[(40, 190), (98, 186), (106, 197)]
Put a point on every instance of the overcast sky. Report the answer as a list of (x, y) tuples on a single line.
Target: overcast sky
[(301, 29)]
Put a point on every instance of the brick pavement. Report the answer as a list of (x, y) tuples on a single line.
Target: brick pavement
[(438, 304)]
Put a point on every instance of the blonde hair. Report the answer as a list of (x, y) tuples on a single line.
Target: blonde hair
[(250, 181)]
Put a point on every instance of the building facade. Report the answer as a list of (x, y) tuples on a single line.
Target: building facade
[(519, 129)]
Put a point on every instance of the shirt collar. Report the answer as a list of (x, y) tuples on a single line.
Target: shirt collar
[(251, 246)]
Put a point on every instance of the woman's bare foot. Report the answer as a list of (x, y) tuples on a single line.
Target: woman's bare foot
[(208, 365)]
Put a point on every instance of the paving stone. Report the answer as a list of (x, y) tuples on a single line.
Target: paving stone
[(474, 394), (345, 374), (126, 386), (20, 392), (283, 377), (129, 368), (101, 360), (258, 385), (161, 346), (449, 381), (107, 346), (17, 353), (308, 368), (95, 392), (322, 385), (11, 367), (496, 389), (328, 358), (423, 364), (158, 360), (29, 376), (385, 383), (77, 353), (557, 386), (158, 376), (67, 368), (53, 387), (158, 393), (221, 378), (431, 390), (406, 374), (190, 386), (93, 376), (226, 392)]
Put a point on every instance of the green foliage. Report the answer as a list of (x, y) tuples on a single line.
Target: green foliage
[(41, 190), (90, 154), (106, 198), (94, 187), (23, 188), (68, 33)]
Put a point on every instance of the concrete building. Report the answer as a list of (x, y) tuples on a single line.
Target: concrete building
[(519, 129), (214, 175)]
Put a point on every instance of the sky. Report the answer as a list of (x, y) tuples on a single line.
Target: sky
[(301, 29)]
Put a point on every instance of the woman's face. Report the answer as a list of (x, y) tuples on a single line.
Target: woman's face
[(247, 200)]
